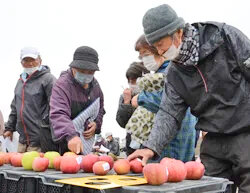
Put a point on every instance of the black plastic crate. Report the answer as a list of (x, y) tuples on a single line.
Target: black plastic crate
[(206, 184), (16, 184), (19, 180)]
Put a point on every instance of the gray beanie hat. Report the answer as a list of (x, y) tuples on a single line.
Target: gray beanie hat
[(85, 58), (161, 21)]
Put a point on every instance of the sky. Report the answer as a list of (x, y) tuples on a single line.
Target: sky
[(58, 27)]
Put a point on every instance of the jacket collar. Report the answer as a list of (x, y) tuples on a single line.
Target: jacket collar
[(210, 37)]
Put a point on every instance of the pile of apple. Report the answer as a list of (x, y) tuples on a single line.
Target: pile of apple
[(172, 170), (168, 170)]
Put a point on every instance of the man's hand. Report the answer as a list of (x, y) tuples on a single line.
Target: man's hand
[(145, 154), (8, 134), (127, 96), (91, 131), (134, 101), (75, 145)]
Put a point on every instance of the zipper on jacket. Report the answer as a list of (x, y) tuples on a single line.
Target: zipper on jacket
[(21, 110), (203, 79)]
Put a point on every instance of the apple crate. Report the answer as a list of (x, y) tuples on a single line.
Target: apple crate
[(19, 180), (14, 183), (206, 184)]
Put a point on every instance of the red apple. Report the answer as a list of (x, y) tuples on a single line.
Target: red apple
[(69, 153), (1, 159), (88, 161), (70, 164), (122, 166), (8, 156), (101, 168), (155, 173), (108, 159), (195, 170), (16, 160), (41, 154), (176, 168), (57, 162), (40, 164), (136, 165)]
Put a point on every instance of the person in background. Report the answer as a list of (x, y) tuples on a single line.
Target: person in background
[(125, 108), (30, 106), (210, 73), (100, 141), (112, 144), (1, 128), (182, 147), (74, 92)]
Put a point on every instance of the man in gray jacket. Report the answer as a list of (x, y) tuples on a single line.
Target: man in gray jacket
[(211, 75), (30, 106)]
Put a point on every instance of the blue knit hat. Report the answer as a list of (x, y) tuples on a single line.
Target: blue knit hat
[(161, 21)]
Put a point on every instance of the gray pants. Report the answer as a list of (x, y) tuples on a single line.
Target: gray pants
[(228, 157)]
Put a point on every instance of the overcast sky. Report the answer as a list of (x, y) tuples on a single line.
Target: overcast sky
[(58, 27)]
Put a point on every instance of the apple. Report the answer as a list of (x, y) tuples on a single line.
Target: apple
[(57, 162), (41, 154), (108, 159), (69, 153), (28, 158), (16, 160), (51, 155), (195, 170), (40, 164), (136, 165), (101, 168), (1, 159), (70, 164), (88, 161), (122, 166), (8, 156), (176, 168), (155, 173)]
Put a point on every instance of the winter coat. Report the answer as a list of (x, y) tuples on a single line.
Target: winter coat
[(30, 108), (114, 147), (68, 99), (217, 90)]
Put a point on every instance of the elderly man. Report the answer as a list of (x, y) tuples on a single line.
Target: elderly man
[(30, 106), (72, 98), (210, 74), (112, 144)]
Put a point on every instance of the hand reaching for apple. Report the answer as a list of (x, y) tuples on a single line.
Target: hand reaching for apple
[(145, 154), (75, 145), (91, 131)]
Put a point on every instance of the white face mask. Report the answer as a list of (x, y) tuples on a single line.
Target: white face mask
[(30, 70), (172, 52), (150, 63), (135, 88)]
